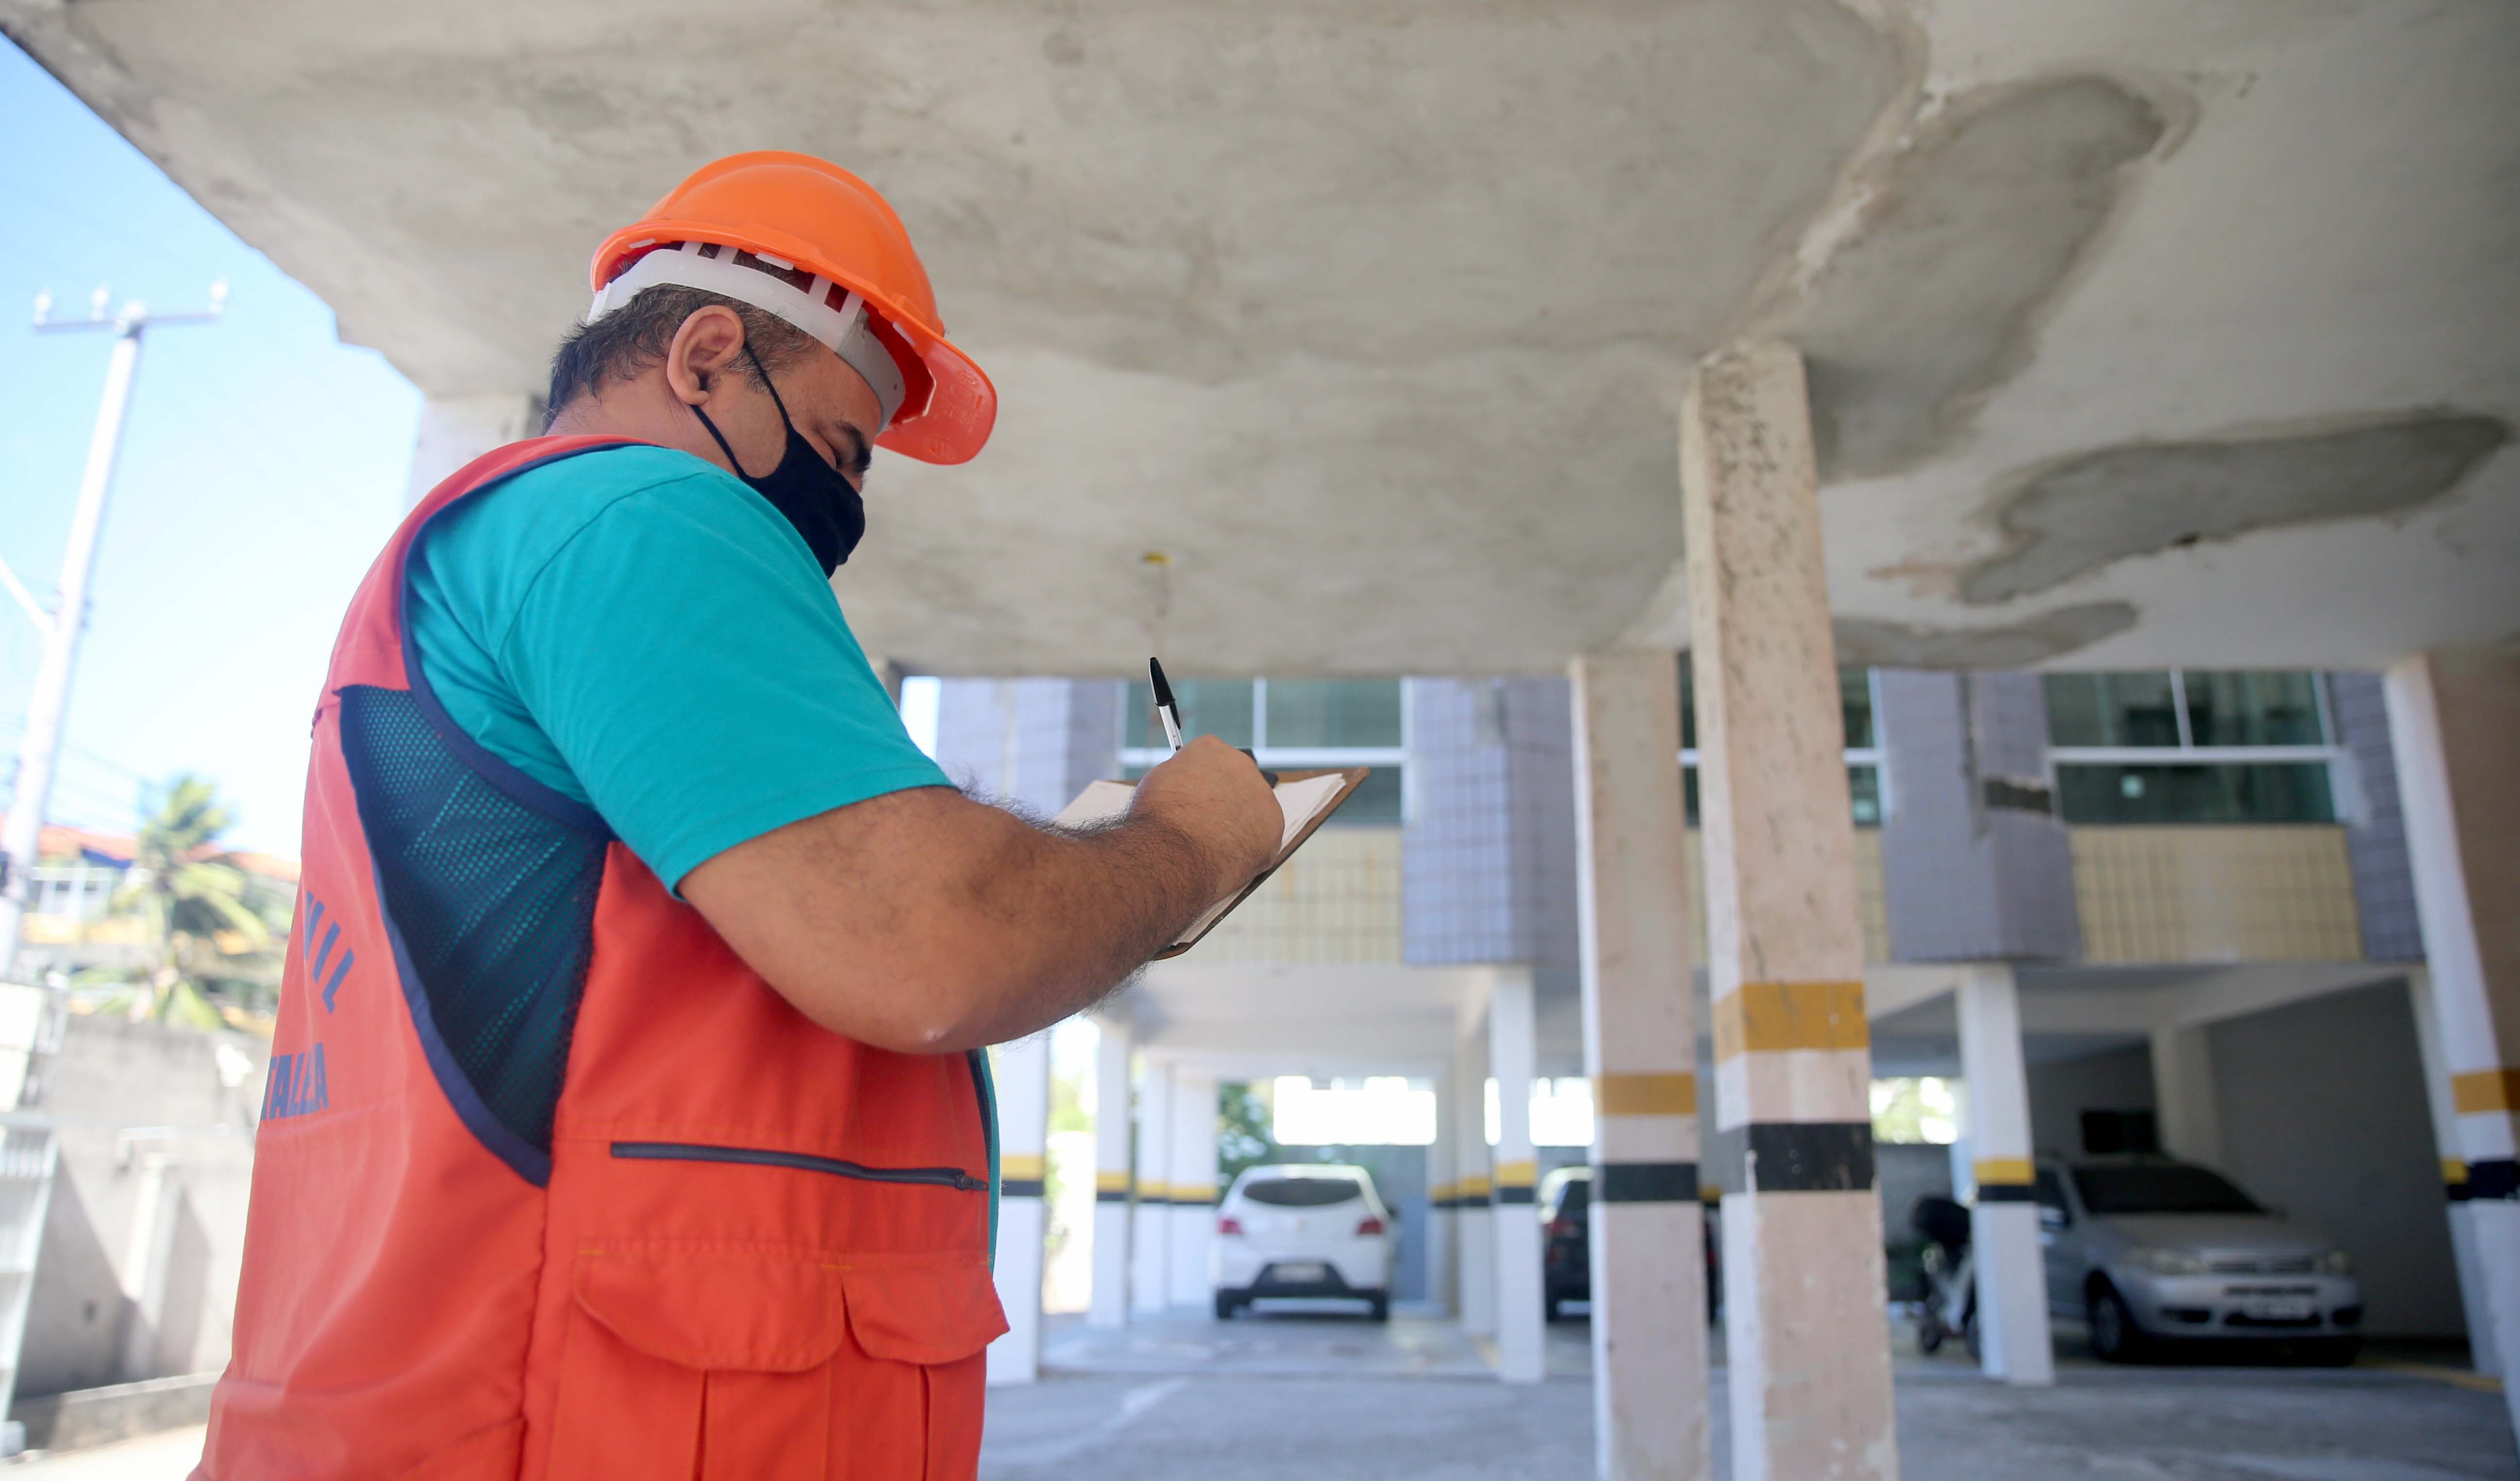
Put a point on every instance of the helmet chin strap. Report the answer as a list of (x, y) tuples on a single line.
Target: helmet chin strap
[(843, 329)]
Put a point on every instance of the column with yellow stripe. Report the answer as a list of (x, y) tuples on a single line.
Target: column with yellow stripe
[(2454, 728), (1646, 1232), (2004, 1221), (1021, 1070), (1513, 1056), (1805, 1332), (1472, 1187), (1150, 1234), (1109, 1303), (2475, 1305), (1194, 1188), (1443, 1261)]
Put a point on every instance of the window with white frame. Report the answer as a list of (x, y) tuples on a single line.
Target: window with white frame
[(1866, 784), (1289, 725), (2192, 745)]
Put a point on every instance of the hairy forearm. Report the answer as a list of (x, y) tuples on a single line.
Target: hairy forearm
[(927, 922), (1068, 916)]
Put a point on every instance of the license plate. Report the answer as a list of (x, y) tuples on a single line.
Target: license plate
[(2280, 1308), (1296, 1275)]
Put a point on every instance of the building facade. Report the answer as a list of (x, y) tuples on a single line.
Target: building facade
[(2194, 886)]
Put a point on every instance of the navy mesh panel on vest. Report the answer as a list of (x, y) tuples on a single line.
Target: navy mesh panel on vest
[(494, 902)]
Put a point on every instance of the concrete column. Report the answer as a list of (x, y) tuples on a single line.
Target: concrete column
[(456, 429), (2003, 1225), (158, 1210), (1473, 1187), (2454, 726), (1807, 1333), (1648, 1229), (1521, 1319), (1194, 1193), (2182, 1094), (1152, 1237), (1109, 1304), (1443, 1191), (2473, 1305), (1021, 1070)]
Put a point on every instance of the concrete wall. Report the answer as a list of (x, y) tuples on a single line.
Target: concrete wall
[(2061, 1089), (114, 1075), (2322, 1113)]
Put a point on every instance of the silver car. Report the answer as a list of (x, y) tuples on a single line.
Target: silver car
[(2148, 1250)]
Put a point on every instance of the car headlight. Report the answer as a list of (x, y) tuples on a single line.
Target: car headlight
[(2336, 1262), (2167, 1262)]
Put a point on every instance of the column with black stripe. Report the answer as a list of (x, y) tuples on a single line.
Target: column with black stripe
[(1646, 1229), (1109, 1303), (1021, 1070), (1805, 1323), (1151, 1218)]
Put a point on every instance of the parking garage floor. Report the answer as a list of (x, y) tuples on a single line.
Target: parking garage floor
[(1282, 1394), (1327, 1398)]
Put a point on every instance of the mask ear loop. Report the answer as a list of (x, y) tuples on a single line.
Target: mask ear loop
[(771, 387), (784, 419), (732, 460)]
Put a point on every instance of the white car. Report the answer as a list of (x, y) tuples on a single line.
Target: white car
[(1303, 1228)]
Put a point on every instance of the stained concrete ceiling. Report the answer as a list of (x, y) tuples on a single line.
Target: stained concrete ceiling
[(2163, 330)]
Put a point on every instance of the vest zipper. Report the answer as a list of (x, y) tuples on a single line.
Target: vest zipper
[(694, 1152)]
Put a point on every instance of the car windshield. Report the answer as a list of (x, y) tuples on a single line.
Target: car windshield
[(1302, 1192), (2164, 1188)]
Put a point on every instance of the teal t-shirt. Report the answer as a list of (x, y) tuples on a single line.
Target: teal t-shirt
[(639, 632)]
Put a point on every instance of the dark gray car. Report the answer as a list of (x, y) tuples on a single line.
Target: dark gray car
[(2147, 1250)]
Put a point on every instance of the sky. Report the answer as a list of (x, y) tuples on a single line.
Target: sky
[(264, 465)]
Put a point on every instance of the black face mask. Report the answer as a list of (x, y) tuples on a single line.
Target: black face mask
[(808, 491)]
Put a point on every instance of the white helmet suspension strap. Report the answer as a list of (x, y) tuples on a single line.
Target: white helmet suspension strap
[(844, 329)]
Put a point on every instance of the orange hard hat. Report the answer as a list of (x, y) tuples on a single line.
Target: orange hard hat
[(809, 241)]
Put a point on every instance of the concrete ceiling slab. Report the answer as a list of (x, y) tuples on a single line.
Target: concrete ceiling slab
[(1371, 317)]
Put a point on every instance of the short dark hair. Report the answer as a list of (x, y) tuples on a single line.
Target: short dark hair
[(627, 340)]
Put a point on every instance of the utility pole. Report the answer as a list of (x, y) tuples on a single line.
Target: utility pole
[(40, 745)]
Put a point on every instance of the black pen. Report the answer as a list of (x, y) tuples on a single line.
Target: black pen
[(1165, 710)]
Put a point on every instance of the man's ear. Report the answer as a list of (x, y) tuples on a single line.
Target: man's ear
[(707, 343)]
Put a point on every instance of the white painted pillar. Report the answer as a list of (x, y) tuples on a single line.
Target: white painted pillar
[(1152, 1241), (2182, 1094), (1521, 1318), (1193, 1189), (1443, 1189), (2478, 1311), (2004, 1225), (1807, 1329), (1108, 1305), (2454, 726), (456, 429), (1472, 1187), (1648, 1229), (1021, 1070)]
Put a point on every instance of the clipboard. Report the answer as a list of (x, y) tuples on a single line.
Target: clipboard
[(1101, 801)]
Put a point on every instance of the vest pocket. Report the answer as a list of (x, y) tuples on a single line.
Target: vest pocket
[(750, 1365), (932, 1322)]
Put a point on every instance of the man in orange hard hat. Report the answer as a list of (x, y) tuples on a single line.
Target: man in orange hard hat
[(627, 1117)]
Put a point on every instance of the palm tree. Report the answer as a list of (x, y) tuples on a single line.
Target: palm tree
[(200, 910)]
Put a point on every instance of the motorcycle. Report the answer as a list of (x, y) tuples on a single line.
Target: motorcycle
[(1950, 1308)]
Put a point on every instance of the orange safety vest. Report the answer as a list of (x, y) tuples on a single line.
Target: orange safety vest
[(548, 1183)]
